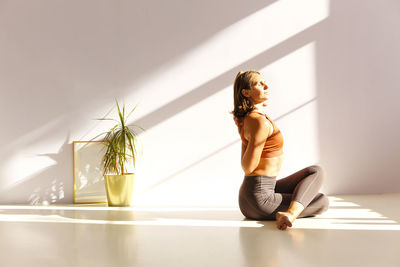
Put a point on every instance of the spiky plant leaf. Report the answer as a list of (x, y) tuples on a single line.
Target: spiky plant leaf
[(121, 117), (127, 117), (121, 144), (106, 119)]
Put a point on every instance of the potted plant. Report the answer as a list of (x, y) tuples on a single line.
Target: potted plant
[(120, 142)]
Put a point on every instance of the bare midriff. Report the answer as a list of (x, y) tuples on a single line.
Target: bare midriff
[(268, 167)]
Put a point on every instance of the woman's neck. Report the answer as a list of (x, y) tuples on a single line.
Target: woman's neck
[(259, 108)]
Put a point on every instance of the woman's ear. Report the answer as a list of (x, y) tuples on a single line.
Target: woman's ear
[(245, 92)]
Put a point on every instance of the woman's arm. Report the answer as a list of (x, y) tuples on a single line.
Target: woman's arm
[(257, 131), (243, 150)]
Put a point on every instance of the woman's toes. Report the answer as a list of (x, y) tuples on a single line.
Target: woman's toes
[(288, 222), (283, 221)]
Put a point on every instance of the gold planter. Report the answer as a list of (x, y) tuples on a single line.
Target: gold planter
[(119, 189)]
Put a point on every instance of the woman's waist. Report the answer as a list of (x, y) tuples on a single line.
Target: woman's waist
[(268, 167)]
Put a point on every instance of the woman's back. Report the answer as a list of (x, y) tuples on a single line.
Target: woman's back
[(267, 149)]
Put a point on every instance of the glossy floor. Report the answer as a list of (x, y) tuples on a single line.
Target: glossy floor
[(359, 230)]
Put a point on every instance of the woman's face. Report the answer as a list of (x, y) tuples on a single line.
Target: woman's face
[(258, 92)]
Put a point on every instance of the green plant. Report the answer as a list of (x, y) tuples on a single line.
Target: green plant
[(120, 141)]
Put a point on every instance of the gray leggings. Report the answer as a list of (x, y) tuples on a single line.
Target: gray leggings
[(261, 197)]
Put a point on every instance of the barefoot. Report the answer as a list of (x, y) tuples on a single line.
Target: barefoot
[(284, 220)]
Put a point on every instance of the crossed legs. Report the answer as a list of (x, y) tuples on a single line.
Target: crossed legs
[(306, 201)]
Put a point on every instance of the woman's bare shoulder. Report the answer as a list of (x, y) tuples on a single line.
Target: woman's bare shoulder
[(255, 123), (254, 119)]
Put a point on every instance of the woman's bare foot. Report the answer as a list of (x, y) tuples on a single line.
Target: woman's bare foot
[(284, 220)]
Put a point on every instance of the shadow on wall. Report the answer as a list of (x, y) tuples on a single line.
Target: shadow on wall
[(357, 83), (358, 91), (71, 64), (80, 59), (263, 59), (222, 81), (47, 186), (225, 79)]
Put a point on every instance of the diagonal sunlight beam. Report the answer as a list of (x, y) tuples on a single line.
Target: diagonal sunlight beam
[(295, 109), (225, 79), (188, 167), (105, 207), (348, 216), (164, 180), (347, 224), (156, 222)]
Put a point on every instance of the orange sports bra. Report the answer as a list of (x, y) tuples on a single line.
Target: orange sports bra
[(273, 146)]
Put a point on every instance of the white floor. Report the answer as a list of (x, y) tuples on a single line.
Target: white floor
[(355, 231)]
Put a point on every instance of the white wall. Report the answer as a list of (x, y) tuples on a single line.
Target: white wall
[(359, 84), (331, 69)]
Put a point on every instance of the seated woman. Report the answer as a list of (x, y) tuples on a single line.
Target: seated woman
[(261, 195)]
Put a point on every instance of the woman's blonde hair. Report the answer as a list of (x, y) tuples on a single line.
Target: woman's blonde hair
[(242, 105)]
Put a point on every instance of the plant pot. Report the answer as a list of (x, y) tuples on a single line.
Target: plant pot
[(119, 189)]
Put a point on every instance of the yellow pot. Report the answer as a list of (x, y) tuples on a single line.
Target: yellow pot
[(119, 189)]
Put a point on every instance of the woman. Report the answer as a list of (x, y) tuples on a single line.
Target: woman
[(261, 196)]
